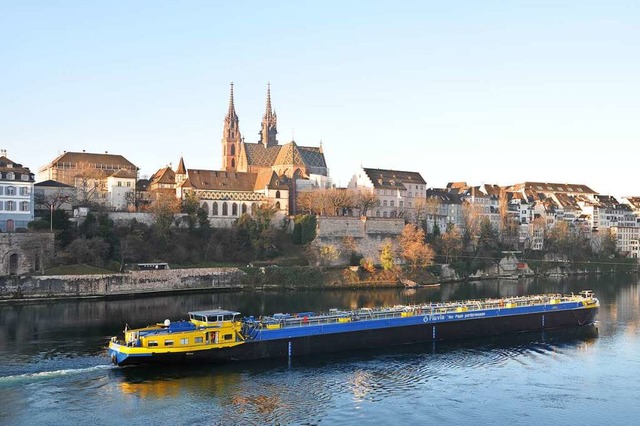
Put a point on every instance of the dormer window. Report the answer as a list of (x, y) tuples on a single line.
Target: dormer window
[(24, 177), (11, 176)]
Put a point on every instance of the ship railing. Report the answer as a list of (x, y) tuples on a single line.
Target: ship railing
[(397, 311)]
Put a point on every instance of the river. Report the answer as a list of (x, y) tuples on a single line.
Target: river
[(54, 369)]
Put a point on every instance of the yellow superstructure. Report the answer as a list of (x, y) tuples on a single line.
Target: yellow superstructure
[(204, 330)]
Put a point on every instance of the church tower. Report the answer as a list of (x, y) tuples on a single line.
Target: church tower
[(231, 138), (269, 123)]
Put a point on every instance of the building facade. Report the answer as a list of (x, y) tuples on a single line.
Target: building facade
[(98, 178), (16, 195)]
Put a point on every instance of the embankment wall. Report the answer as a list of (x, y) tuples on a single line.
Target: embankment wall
[(130, 283)]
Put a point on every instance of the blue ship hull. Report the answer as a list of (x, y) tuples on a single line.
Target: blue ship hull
[(380, 332)]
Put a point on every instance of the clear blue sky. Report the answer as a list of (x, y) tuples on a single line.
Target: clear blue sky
[(486, 92)]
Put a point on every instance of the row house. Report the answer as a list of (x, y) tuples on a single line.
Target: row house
[(448, 209), (401, 193), (16, 195)]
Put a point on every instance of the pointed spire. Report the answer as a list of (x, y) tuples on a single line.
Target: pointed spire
[(232, 108), (268, 111), (182, 170)]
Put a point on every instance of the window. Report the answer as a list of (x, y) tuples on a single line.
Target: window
[(1, 190), (214, 209), (198, 340), (24, 206), (410, 195), (11, 190), (384, 214), (378, 213), (234, 209), (168, 342), (392, 203), (119, 183), (24, 177), (11, 176), (24, 191), (401, 203), (277, 194), (129, 184), (384, 203), (10, 206), (244, 208), (227, 337), (184, 341), (152, 343), (225, 209)]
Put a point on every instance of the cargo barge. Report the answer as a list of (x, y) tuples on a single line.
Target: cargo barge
[(222, 335)]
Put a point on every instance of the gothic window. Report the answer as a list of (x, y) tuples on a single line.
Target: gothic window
[(277, 205), (244, 208), (254, 207), (234, 209), (277, 194), (205, 207), (233, 162), (214, 208), (225, 209), (233, 150)]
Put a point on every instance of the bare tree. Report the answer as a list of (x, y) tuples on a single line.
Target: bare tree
[(88, 183), (365, 201), (432, 209), (451, 243)]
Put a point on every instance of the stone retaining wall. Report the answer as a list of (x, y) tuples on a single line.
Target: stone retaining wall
[(135, 282)]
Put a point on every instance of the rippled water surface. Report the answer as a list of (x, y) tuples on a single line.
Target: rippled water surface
[(54, 370)]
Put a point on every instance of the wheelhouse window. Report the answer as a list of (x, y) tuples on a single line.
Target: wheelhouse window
[(152, 343), (184, 341), (168, 342)]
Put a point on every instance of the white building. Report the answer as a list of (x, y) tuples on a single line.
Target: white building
[(401, 193), (16, 195)]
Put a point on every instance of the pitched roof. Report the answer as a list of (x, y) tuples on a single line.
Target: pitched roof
[(113, 160), (18, 170), (215, 180), (163, 175), (259, 155), (393, 179), (52, 184), (552, 187), (124, 174)]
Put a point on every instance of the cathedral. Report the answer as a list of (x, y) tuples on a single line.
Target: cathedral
[(290, 160), (252, 174)]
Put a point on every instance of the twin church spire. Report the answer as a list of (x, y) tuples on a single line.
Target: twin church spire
[(231, 138)]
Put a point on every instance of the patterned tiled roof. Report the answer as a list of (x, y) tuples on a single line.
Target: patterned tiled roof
[(393, 179), (258, 155)]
